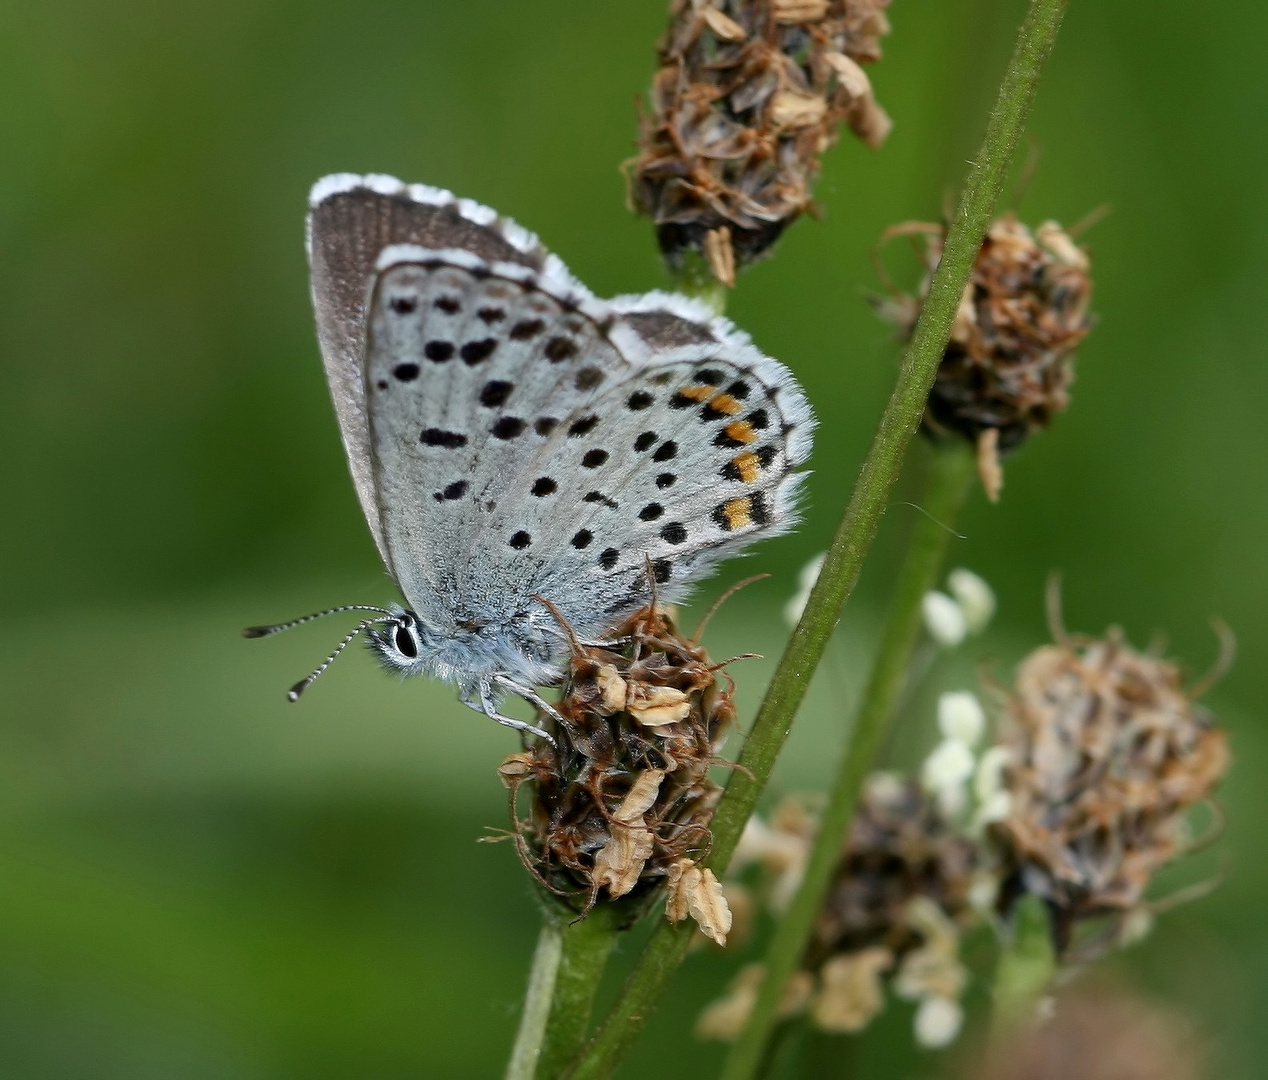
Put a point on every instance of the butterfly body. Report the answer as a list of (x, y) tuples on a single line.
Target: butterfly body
[(514, 439)]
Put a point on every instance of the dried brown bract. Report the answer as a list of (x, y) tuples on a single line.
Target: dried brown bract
[(1107, 750), (748, 94), (1010, 361), (621, 804)]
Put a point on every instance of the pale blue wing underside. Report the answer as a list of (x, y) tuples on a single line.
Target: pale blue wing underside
[(511, 435)]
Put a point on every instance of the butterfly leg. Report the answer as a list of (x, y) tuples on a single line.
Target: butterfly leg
[(530, 695), (487, 706)]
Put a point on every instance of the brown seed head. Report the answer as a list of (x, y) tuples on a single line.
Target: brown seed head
[(622, 803), (1107, 752), (900, 847), (1010, 361), (748, 94), (892, 913)]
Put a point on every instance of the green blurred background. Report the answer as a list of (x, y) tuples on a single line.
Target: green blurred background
[(198, 880)]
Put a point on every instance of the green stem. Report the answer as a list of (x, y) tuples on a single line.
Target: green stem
[(542, 978), (668, 944), (951, 470), (567, 968), (1024, 973), (692, 277)]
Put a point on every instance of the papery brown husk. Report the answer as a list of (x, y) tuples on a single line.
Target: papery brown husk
[(748, 95), (581, 837), (1108, 752)]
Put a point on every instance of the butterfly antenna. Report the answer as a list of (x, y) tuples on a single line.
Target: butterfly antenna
[(293, 693), (265, 631)]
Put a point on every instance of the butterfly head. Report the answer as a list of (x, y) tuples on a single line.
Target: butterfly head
[(401, 643)]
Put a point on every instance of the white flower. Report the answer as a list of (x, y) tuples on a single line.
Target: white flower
[(938, 1022), (805, 582), (950, 765), (989, 780), (994, 809), (961, 716), (944, 619), (983, 892), (975, 597)]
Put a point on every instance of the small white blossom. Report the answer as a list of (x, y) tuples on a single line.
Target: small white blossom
[(961, 716), (989, 780), (975, 597), (938, 1022), (950, 765), (805, 582), (944, 619), (994, 809), (983, 892)]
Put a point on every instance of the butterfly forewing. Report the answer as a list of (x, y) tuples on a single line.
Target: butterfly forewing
[(351, 220)]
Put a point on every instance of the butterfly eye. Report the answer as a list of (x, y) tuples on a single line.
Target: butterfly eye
[(405, 644)]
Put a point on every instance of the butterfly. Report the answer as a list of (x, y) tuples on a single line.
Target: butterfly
[(518, 444)]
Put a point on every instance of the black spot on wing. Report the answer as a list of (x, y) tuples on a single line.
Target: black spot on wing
[(508, 427), (674, 533), (558, 349), (475, 352), (527, 328), (450, 440), (495, 393)]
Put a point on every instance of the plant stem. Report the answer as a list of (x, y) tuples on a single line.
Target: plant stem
[(951, 470), (668, 943), (567, 968), (1024, 973), (542, 977), (692, 277)]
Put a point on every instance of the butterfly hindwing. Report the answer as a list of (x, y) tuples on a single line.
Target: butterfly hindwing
[(512, 435)]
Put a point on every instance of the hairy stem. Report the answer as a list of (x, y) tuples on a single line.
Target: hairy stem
[(951, 470), (567, 968), (668, 944)]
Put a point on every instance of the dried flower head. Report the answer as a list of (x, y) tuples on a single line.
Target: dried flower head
[(894, 909), (900, 847), (748, 94), (1010, 361), (620, 804), (1106, 752)]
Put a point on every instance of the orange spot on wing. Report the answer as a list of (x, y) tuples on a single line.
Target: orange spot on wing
[(697, 393), (741, 431), (737, 512), (725, 403), (749, 466)]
